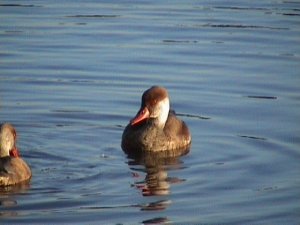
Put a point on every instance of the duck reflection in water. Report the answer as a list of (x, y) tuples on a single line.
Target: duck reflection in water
[(8, 198), (156, 181)]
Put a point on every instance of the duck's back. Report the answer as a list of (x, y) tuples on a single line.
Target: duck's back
[(177, 133)]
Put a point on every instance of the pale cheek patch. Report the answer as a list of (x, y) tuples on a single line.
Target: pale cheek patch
[(164, 111)]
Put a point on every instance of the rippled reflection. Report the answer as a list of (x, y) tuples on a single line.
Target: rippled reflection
[(8, 201), (14, 189), (156, 181)]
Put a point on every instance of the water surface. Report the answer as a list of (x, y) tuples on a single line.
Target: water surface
[(72, 74)]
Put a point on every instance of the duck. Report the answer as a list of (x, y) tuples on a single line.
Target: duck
[(156, 128), (13, 169)]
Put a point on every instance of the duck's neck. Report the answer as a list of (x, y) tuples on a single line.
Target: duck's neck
[(161, 120)]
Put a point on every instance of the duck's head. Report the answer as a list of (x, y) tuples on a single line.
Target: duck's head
[(155, 105), (8, 138)]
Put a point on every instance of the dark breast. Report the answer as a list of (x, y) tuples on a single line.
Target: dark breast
[(175, 137)]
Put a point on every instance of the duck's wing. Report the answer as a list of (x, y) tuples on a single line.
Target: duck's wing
[(176, 127)]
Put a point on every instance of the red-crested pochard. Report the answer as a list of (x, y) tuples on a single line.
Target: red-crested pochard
[(13, 169), (155, 128)]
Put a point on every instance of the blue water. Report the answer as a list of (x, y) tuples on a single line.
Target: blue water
[(72, 74)]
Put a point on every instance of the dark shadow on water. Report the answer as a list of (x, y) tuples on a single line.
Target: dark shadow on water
[(243, 26), (193, 116), (253, 137), (94, 16), (18, 5), (169, 41), (157, 220), (261, 97)]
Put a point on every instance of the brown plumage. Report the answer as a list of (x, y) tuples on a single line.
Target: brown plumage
[(155, 128), (13, 169)]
